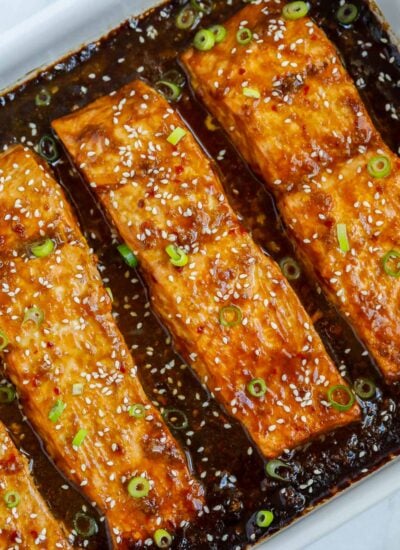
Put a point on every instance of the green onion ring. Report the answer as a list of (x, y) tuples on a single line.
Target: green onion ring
[(128, 255), (4, 341), (47, 148), (162, 538), (177, 256), (257, 387), (230, 316), (89, 527), (7, 394), (390, 258), (170, 91), (272, 467), (336, 404), (43, 248), (204, 40), (244, 36), (137, 410), (34, 314), (176, 419), (186, 18), (43, 98), (138, 487), (347, 14), (290, 268), (264, 518), (364, 388), (203, 6), (295, 10), (380, 166), (219, 32), (12, 499)]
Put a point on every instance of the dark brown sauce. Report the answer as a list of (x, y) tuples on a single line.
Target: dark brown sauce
[(217, 447)]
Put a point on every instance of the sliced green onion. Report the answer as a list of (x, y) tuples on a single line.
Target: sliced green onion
[(204, 6), (176, 135), (79, 437), (186, 18), (43, 249), (244, 36), (48, 148), (7, 394), (171, 91), (162, 538), (4, 341), (85, 525), (379, 167), (257, 387), (264, 518), (77, 389), (137, 410), (341, 231), (128, 255), (109, 292), (230, 316), (43, 98), (339, 405), (295, 10), (210, 124), (348, 13), (364, 388), (139, 487), (12, 499), (251, 92), (219, 32), (176, 419), (175, 76), (290, 268), (56, 411), (204, 40), (273, 466), (391, 263), (177, 256), (34, 314)]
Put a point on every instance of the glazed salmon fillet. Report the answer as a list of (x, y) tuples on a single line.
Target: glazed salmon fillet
[(25, 520), (74, 374), (295, 115), (232, 314)]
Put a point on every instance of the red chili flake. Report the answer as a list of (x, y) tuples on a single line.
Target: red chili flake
[(57, 391), (274, 108), (34, 534), (122, 369), (14, 535), (179, 169), (306, 89)]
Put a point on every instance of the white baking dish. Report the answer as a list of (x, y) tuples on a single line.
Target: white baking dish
[(64, 26)]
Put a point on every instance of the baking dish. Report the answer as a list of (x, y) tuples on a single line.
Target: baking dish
[(93, 21)]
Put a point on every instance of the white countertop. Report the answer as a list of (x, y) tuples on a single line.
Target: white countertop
[(375, 529)]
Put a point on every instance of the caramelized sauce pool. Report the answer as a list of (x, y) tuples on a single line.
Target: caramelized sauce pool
[(217, 448)]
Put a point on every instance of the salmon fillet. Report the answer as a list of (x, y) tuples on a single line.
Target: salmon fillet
[(295, 115), (231, 312), (74, 374), (25, 520)]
